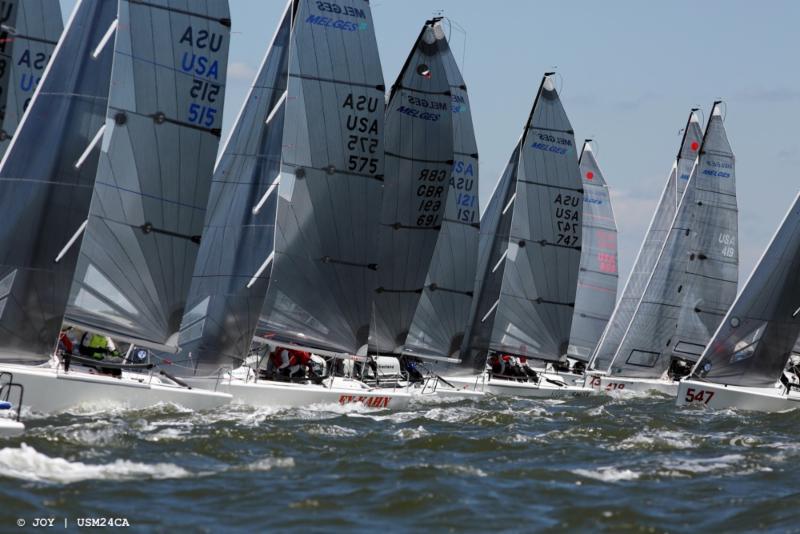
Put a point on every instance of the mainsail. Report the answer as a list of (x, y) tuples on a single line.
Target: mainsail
[(161, 137), (46, 180), (695, 277), (540, 256), (233, 265), (651, 246), (29, 31), (755, 340), (443, 311), (597, 281), (419, 161), (324, 266)]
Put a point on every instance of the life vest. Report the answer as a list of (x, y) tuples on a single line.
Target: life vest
[(65, 342), (299, 357)]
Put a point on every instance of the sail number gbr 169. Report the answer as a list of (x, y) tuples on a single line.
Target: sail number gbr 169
[(363, 133)]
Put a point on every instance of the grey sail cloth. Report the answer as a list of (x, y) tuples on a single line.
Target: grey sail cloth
[(232, 271), (419, 161), (492, 247), (30, 31), (329, 198), (755, 340), (441, 317), (537, 298), (651, 246), (695, 278), (46, 183), (597, 281), (154, 175)]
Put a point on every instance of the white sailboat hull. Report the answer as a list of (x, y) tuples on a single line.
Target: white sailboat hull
[(620, 385), (50, 390), (10, 428), (266, 393), (720, 396), (544, 389)]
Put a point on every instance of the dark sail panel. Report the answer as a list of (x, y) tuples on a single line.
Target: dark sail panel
[(534, 313), (651, 246), (324, 269), (419, 161), (233, 265), (161, 138), (443, 312), (46, 181), (597, 281), (30, 31)]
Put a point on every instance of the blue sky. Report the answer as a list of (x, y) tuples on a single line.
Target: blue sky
[(630, 71)]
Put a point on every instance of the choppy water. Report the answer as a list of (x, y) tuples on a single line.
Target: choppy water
[(512, 464)]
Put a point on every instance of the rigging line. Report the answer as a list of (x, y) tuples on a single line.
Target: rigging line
[(149, 228), (104, 40), (468, 154), (160, 118), (551, 186), (300, 171), (477, 226), (419, 160), (71, 241), (384, 290), (494, 307), (435, 287), (398, 226), (370, 266), (381, 87), (545, 243), (224, 21)]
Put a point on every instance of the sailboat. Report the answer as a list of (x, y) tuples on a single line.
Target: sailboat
[(652, 244), (694, 279), (598, 277), (308, 152), (96, 272), (10, 424), (529, 257), (751, 362)]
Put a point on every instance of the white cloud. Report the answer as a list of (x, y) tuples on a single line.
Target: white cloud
[(241, 72)]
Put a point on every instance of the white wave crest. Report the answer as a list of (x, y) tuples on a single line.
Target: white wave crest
[(608, 474)]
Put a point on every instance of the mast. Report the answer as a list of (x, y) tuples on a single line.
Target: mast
[(234, 262), (695, 277), (330, 187), (46, 180), (419, 162), (651, 245), (161, 137), (441, 318), (29, 31), (597, 281)]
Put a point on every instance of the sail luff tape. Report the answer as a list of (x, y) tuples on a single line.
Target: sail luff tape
[(261, 269), (276, 107), (71, 241), (96, 139), (104, 41), (264, 198)]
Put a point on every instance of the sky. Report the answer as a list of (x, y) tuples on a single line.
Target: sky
[(629, 72)]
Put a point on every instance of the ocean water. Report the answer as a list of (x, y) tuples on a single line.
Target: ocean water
[(597, 463)]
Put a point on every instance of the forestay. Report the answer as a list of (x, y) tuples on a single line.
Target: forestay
[(651, 246), (234, 263), (29, 31), (161, 136), (597, 281), (46, 183), (695, 277), (443, 311), (419, 162), (324, 269), (754, 341)]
